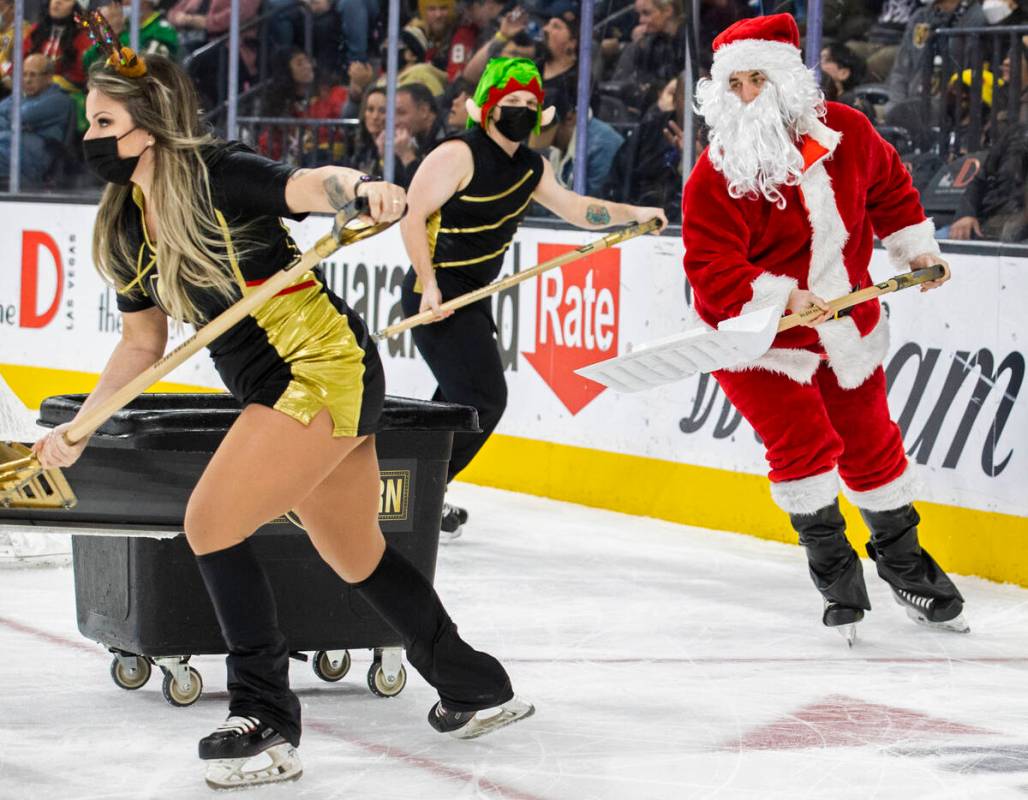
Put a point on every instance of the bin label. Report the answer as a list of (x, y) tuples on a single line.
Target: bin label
[(394, 495)]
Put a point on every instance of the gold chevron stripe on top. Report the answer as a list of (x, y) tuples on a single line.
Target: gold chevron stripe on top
[(466, 262), (489, 227), (432, 227), (227, 235), (470, 198), (140, 271)]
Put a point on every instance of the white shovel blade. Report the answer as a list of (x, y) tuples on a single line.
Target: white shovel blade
[(17, 423), (736, 341)]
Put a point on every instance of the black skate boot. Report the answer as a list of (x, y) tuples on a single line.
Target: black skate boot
[(834, 568), (240, 739), (452, 523), (918, 583), (470, 724)]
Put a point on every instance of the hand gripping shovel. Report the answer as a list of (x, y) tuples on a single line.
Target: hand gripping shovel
[(738, 340), (23, 481)]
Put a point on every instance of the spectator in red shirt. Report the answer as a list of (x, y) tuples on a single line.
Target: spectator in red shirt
[(58, 38)]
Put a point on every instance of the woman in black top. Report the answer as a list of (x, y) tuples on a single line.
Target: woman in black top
[(186, 226), (466, 202)]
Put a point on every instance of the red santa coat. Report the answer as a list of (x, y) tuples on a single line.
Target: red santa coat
[(744, 254)]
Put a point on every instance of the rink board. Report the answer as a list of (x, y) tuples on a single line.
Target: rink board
[(956, 368)]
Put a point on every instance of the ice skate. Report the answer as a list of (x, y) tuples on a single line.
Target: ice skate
[(471, 724), (244, 752), (943, 615), (452, 523), (844, 619)]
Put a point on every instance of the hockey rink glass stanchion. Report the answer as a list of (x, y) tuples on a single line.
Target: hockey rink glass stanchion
[(23, 481), (611, 239)]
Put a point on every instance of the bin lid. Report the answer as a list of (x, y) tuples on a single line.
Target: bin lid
[(197, 422)]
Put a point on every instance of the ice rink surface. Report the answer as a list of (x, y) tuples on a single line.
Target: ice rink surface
[(664, 662)]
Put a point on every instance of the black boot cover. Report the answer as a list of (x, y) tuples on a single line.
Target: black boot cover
[(258, 659), (904, 564), (466, 679), (834, 565)]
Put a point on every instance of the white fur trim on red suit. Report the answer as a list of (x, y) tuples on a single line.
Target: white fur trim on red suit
[(799, 365), (806, 495), (910, 242), (747, 55), (853, 357), (895, 494), (769, 291), (827, 276)]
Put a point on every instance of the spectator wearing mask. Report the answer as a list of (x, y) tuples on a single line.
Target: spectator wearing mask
[(7, 35), (156, 34), (919, 47), (656, 53), (57, 37), (1004, 12), (559, 66), (881, 43), (46, 115)]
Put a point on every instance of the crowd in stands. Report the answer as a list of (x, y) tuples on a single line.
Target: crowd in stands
[(942, 100)]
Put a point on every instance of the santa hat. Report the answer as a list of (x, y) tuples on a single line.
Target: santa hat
[(769, 44)]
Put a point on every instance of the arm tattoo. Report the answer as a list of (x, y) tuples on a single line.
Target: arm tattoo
[(298, 174), (337, 195), (596, 214)]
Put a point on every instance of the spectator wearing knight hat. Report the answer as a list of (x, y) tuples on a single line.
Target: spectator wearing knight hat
[(780, 211)]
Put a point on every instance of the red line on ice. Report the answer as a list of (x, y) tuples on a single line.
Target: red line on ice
[(428, 764)]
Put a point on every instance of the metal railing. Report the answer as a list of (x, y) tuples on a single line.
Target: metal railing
[(300, 142), (220, 46), (958, 109)]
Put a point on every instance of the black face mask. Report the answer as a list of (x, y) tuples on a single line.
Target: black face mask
[(516, 122), (103, 160)]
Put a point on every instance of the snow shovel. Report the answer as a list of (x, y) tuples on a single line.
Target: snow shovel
[(23, 481), (735, 341)]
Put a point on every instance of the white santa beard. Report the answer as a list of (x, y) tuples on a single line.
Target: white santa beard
[(754, 144)]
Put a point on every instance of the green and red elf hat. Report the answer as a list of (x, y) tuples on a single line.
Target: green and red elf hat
[(504, 76)]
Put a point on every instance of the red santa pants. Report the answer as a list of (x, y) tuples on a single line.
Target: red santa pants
[(811, 429)]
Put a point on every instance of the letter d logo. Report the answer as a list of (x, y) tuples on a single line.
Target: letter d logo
[(31, 242)]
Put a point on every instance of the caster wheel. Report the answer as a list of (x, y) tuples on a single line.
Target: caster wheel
[(178, 695), (323, 668), (127, 677), (381, 686)]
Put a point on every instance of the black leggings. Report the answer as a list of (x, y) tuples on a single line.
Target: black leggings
[(462, 353)]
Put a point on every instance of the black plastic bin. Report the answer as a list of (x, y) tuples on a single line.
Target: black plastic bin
[(137, 589)]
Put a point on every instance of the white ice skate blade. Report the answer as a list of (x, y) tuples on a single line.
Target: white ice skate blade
[(957, 625), (445, 537), (848, 632), (491, 719), (275, 765)]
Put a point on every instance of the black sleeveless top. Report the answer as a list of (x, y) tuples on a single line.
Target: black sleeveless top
[(469, 235)]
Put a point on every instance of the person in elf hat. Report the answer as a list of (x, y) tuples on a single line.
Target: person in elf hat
[(780, 211), (464, 205)]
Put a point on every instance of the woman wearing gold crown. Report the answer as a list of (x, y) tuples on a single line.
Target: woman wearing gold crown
[(186, 225)]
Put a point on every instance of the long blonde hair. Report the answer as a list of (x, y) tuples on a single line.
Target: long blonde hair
[(191, 245)]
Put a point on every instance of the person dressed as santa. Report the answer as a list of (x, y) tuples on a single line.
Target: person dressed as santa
[(780, 211)]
